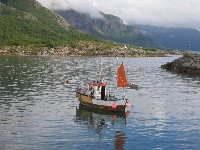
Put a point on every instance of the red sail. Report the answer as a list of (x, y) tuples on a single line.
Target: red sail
[(121, 77)]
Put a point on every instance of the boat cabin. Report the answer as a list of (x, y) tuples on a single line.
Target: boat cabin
[(97, 90)]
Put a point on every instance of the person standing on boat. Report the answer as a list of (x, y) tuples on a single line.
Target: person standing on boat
[(91, 91)]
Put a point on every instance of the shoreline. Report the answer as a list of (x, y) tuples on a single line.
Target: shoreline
[(86, 50)]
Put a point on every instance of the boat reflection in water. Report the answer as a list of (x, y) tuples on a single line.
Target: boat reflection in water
[(120, 140), (104, 120)]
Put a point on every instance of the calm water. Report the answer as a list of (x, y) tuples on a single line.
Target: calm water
[(40, 111)]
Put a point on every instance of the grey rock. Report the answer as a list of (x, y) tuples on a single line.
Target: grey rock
[(188, 64)]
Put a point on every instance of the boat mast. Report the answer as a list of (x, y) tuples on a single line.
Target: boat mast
[(117, 72), (116, 77), (100, 73)]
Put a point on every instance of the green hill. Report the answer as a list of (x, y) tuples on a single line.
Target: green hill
[(25, 22)]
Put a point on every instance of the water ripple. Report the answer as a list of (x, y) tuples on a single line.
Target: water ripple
[(40, 111)]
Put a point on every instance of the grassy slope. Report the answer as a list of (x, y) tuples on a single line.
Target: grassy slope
[(25, 22)]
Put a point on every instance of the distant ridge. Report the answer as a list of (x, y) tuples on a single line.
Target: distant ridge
[(109, 28), (173, 38)]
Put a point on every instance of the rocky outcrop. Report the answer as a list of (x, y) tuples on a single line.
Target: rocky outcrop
[(188, 64), (61, 21)]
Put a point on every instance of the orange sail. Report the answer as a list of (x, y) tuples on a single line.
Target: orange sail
[(121, 77)]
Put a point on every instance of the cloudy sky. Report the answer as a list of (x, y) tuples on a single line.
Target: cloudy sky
[(168, 13)]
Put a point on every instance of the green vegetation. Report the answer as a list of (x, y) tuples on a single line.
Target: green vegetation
[(29, 28), (27, 22)]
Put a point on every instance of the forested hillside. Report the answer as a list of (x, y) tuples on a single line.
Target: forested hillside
[(25, 22)]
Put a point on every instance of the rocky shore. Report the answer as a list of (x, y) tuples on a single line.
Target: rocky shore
[(188, 64), (84, 49)]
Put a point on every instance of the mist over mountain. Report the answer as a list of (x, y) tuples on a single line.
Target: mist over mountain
[(108, 27), (113, 28), (28, 22), (173, 38), (165, 13)]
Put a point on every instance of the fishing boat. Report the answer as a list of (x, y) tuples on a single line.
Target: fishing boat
[(95, 94)]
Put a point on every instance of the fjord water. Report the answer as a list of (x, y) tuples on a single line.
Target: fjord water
[(38, 110)]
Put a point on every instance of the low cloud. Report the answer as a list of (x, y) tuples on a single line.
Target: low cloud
[(86, 6), (168, 13)]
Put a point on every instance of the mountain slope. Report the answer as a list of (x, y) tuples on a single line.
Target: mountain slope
[(109, 27), (28, 22), (174, 38)]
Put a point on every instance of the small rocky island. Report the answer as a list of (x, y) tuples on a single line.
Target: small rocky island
[(188, 64)]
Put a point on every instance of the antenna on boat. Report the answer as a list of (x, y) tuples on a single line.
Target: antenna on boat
[(116, 77), (100, 73), (117, 70)]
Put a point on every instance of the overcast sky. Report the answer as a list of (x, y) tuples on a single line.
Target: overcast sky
[(168, 13)]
